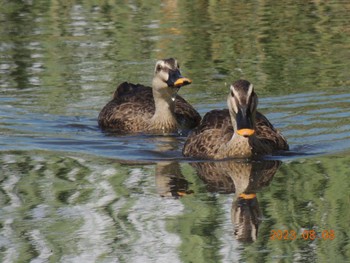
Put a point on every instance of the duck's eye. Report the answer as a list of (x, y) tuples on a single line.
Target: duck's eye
[(178, 65), (159, 68), (232, 94)]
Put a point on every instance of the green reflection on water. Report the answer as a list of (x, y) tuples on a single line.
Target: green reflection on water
[(307, 194), (78, 50), (61, 207)]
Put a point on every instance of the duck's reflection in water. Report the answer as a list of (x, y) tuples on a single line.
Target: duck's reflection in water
[(244, 179), (245, 215), (239, 177), (170, 180)]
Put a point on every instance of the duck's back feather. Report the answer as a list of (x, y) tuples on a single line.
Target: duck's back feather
[(127, 111), (187, 117), (214, 130), (267, 134), (215, 119), (133, 106), (129, 92)]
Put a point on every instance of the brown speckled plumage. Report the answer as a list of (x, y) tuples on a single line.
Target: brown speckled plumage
[(133, 107), (216, 137)]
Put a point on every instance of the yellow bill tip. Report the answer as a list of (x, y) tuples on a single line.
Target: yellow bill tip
[(182, 82), (245, 132)]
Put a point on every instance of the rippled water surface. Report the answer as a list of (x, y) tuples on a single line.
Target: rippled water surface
[(71, 193)]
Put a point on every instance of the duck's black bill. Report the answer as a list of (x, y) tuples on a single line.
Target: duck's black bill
[(244, 122), (176, 80)]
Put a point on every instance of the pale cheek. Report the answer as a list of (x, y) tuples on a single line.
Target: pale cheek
[(234, 106), (164, 76)]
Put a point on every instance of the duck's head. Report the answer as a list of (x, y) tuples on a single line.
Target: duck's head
[(242, 103), (167, 76)]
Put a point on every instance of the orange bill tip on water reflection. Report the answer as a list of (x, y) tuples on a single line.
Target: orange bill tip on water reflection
[(247, 196)]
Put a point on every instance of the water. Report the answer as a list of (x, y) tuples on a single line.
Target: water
[(71, 193)]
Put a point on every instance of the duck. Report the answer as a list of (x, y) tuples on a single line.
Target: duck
[(136, 108), (237, 132)]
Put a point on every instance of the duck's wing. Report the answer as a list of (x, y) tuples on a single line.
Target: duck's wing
[(132, 105), (185, 114), (215, 120), (267, 134), (214, 130), (129, 92)]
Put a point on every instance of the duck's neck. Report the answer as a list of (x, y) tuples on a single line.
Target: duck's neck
[(244, 147), (238, 147), (164, 119)]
